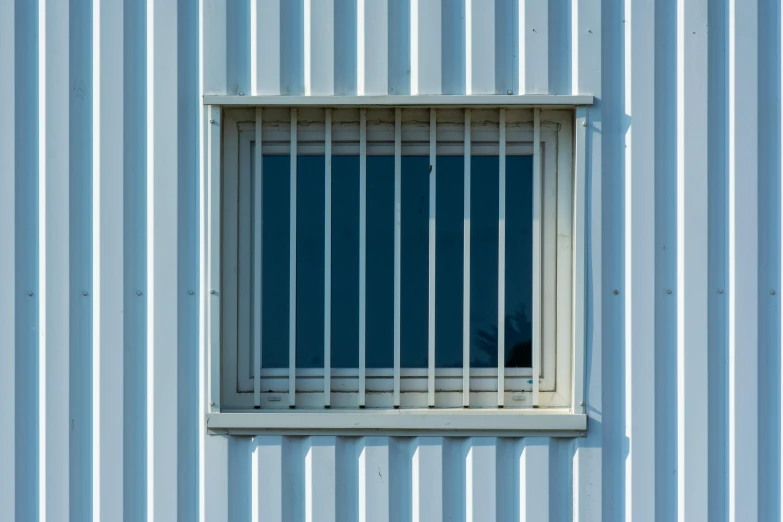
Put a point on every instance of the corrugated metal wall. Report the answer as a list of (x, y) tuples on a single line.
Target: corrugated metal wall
[(100, 158)]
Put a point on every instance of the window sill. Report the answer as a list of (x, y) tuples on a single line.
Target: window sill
[(403, 422)]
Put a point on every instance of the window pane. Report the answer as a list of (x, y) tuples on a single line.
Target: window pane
[(275, 210), (310, 262), (450, 211), (484, 201), (519, 261), (345, 262), (415, 250), (380, 262)]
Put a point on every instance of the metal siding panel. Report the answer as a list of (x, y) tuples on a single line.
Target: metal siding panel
[(480, 476), (533, 46), (8, 262), (143, 121), (480, 46), (534, 479), (425, 31), (319, 35), (107, 264), (692, 257), (320, 480), (135, 262), (54, 269), (587, 76), (162, 234), (374, 480), (374, 48), (743, 260)]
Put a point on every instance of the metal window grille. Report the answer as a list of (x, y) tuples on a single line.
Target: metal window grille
[(250, 134)]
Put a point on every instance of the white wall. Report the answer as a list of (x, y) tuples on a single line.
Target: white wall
[(100, 158)]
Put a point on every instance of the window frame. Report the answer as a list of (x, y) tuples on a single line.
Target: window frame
[(562, 138)]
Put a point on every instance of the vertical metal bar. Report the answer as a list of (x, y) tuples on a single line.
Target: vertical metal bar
[(580, 215), (397, 247), (292, 271), (536, 253), (502, 259), (328, 259), (362, 250), (257, 257), (431, 307), (466, 270)]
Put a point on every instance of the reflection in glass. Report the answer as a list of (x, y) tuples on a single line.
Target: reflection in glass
[(519, 261), (484, 191), (380, 262), (345, 262), (309, 262), (276, 261), (414, 261), (449, 220)]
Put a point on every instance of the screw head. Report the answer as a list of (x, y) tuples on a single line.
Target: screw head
[(771, 292), (85, 293), (668, 291), (720, 291), (211, 121), (616, 292), (212, 292), (190, 292), (30, 293), (138, 292), (584, 124), (211, 403), (581, 403), (509, 92), (242, 93)]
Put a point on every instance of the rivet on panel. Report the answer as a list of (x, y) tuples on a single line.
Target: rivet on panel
[(30, 293), (190, 292), (509, 92), (212, 292), (616, 292), (668, 291), (720, 291), (771, 292), (242, 93), (211, 121), (584, 124), (211, 403), (85, 293), (138, 292), (581, 403)]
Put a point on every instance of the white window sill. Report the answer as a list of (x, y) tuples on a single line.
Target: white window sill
[(403, 422)]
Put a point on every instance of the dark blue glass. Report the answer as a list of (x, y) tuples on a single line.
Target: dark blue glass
[(519, 261), (275, 269), (310, 262), (414, 284), (345, 262), (449, 232), (484, 202), (380, 262)]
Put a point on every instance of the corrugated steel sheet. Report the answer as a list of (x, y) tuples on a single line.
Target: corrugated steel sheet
[(100, 365)]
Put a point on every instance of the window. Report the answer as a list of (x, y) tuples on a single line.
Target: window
[(378, 260)]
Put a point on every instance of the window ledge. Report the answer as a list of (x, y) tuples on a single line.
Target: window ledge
[(403, 422)]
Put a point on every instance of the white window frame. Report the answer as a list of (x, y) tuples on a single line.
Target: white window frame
[(556, 407)]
